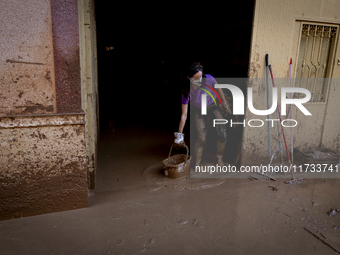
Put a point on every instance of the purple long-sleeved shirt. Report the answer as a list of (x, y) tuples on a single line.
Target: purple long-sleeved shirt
[(195, 95)]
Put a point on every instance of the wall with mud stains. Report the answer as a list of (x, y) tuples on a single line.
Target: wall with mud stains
[(42, 165), (43, 160), (276, 33), (26, 60)]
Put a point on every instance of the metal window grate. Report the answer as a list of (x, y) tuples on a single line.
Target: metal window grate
[(314, 60)]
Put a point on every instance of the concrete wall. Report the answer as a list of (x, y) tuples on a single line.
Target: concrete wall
[(276, 32), (43, 159)]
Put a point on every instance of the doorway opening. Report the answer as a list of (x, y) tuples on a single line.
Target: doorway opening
[(142, 51)]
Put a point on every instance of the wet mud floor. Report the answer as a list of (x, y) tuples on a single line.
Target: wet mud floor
[(133, 211)]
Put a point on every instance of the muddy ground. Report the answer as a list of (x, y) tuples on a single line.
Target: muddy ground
[(130, 213)]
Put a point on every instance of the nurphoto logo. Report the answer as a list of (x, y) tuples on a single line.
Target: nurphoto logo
[(238, 105)]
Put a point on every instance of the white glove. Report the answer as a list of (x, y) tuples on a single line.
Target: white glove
[(179, 138)]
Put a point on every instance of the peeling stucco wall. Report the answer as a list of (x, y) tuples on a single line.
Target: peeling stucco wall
[(274, 33), (43, 165), (26, 59)]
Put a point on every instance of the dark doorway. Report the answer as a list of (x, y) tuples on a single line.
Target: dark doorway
[(139, 79)]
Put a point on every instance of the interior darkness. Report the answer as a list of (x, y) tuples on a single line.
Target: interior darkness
[(139, 79)]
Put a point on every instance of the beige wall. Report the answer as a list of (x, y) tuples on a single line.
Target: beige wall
[(26, 59), (276, 33)]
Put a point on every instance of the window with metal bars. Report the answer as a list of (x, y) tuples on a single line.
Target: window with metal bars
[(315, 59)]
